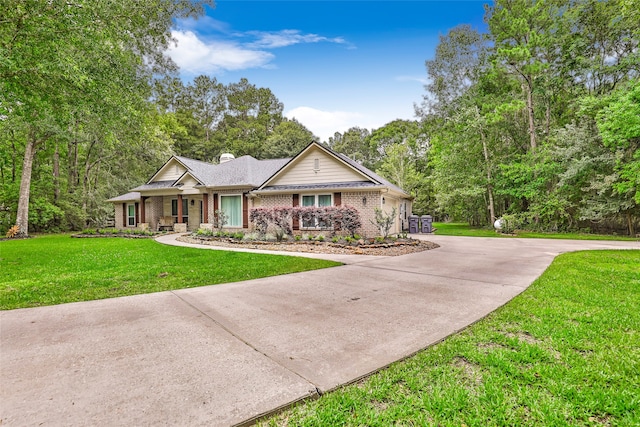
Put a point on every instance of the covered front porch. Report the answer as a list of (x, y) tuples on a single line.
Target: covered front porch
[(174, 212)]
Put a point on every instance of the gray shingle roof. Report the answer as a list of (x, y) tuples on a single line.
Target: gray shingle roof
[(247, 171), (243, 171), (131, 196), (337, 185), (199, 169), (156, 185)]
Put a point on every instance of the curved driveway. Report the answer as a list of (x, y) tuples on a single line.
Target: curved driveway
[(223, 355)]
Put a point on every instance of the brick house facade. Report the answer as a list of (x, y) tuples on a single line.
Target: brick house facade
[(184, 194)]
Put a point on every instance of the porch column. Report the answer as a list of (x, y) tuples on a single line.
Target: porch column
[(215, 207), (179, 220), (205, 207), (142, 211), (296, 218), (245, 211)]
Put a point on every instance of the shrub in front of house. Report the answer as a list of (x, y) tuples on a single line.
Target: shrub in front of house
[(261, 218), (333, 218)]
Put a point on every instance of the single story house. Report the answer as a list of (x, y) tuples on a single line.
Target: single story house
[(184, 194)]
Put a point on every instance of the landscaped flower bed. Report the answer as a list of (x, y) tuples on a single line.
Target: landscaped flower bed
[(358, 245), (114, 232)]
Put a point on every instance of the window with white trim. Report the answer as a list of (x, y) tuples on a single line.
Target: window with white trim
[(318, 200), (232, 206), (131, 215)]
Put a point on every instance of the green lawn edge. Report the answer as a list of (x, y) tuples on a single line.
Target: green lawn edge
[(464, 229), (565, 352), (57, 269)]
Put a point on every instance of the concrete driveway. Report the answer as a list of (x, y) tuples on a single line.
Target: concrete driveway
[(226, 354)]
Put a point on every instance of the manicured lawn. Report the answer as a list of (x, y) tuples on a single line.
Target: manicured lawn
[(565, 352), (464, 229), (55, 269)]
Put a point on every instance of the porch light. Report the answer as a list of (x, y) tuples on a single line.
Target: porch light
[(364, 201)]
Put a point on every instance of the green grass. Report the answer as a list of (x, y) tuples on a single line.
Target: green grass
[(56, 269), (565, 352), (464, 229)]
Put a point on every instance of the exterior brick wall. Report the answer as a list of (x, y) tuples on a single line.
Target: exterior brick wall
[(153, 210), (118, 216), (356, 199), (210, 216), (276, 200)]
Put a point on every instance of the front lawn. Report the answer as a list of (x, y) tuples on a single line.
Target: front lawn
[(56, 269), (464, 229), (565, 352)]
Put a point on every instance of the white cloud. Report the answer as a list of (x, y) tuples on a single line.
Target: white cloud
[(325, 123), (421, 80), (195, 56), (203, 22), (271, 40)]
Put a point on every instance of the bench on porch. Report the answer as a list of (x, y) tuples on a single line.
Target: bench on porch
[(165, 223)]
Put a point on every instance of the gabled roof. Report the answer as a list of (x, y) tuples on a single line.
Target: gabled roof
[(198, 169), (244, 171), (248, 172), (187, 174), (367, 174), (158, 185), (128, 197)]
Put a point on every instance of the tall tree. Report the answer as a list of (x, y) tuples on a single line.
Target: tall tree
[(460, 57), (206, 100), (354, 144), (288, 139), (522, 31), (251, 115), (60, 56), (406, 132), (619, 125)]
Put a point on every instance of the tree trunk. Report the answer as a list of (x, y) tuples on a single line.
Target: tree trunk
[(22, 220), (532, 125), (56, 175), (73, 166), (14, 159), (547, 119), (630, 225), (492, 210)]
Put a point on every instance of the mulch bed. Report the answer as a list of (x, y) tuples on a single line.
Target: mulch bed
[(396, 248), (125, 235)]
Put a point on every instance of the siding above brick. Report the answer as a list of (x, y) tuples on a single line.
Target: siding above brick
[(328, 170)]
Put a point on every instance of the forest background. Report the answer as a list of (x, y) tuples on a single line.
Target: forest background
[(536, 121)]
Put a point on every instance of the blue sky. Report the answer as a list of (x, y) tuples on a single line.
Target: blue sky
[(333, 64)]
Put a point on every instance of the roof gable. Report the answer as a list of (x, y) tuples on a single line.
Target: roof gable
[(187, 179), (316, 165), (172, 170)]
